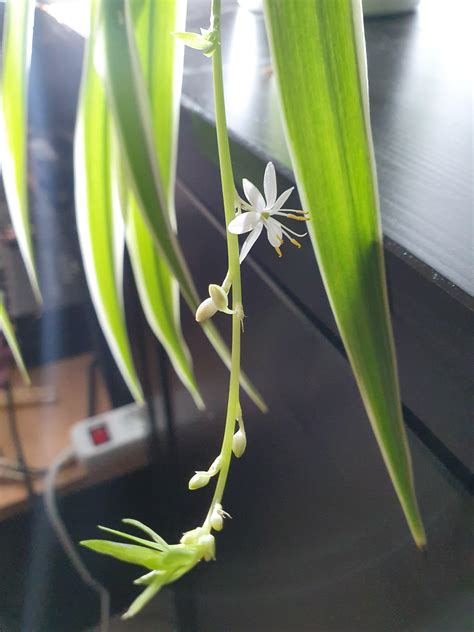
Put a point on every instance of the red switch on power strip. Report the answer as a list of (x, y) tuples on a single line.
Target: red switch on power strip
[(99, 434)]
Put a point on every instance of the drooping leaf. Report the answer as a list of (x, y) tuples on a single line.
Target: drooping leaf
[(6, 327), (17, 40), (119, 201), (154, 288), (95, 215), (161, 63), (127, 94), (130, 553), (319, 59), (131, 108)]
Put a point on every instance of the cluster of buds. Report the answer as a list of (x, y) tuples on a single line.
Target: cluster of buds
[(218, 301), (201, 478), (201, 538)]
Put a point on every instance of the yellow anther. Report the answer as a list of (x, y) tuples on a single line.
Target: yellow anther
[(298, 218), (295, 243), (278, 251)]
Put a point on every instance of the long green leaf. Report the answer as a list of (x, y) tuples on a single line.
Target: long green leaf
[(95, 215), (131, 553), (155, 290), (128, 98), (319, 58), (161, 63), (17, 40), (119, 201), (6, 327)]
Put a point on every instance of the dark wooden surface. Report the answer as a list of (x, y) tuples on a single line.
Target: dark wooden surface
[(432, 315), (432, 328), (421, 109)]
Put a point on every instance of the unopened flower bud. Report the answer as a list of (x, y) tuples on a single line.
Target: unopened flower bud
[(200, 479), (216, 466), (217, 521), (208, 543), (218, 295), (239, 443), (217, 517), (192, 537), (206, 310)]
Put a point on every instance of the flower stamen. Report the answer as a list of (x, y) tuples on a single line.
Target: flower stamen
[(260, 211), (297, 218), (288, 232)]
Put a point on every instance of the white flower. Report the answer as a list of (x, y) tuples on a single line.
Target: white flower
[(261, 211)]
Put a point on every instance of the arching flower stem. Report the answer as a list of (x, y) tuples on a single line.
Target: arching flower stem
[(228, 192)]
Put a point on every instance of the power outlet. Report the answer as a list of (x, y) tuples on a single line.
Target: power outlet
[(119, 434)]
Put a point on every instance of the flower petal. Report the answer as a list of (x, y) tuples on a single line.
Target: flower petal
[(274, 232), (249, 242), (253, 195), (270, 185), (281, 200), (244, 222)]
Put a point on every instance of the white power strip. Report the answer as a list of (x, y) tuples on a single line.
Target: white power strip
[(118, 434)]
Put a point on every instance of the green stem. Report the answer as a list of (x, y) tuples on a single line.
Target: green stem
[(228, 192)]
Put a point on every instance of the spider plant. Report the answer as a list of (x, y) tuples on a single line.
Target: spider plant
[(125, 163)]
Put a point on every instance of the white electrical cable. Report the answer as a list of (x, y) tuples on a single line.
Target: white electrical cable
[(58, 525)]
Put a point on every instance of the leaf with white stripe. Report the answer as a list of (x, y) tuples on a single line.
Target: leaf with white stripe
[(128, 97), (319, 59), (17, 40), (6, 327), (161, 63), (95, 215)]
